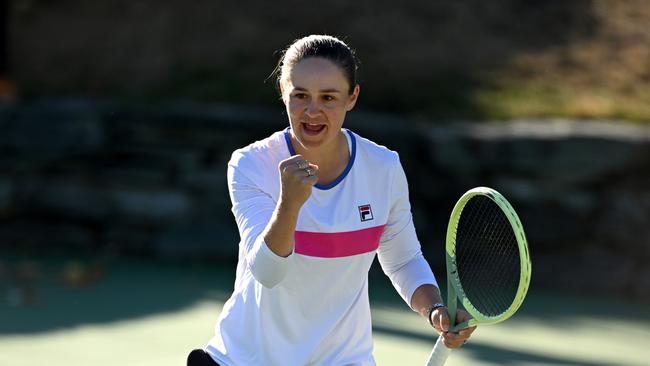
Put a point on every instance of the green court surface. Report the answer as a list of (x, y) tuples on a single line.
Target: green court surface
[(147, 313)]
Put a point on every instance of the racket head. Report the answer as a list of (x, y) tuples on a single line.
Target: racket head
[(488, 262)]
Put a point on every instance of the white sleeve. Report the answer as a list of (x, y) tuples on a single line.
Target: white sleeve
[(399, 253), (253, 208)]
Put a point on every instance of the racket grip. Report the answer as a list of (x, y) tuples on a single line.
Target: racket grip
[(439, 354)]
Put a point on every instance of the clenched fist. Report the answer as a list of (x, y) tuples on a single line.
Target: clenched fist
[(297, 177)]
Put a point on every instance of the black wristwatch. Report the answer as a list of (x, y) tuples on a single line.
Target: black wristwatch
[(432, 308)]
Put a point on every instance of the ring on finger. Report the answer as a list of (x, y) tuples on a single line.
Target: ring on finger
[(309, 172), (301, 165)]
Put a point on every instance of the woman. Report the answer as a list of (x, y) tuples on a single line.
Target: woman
[(313, 204)]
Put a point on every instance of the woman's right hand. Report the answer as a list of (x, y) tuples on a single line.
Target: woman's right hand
[(297, 177)]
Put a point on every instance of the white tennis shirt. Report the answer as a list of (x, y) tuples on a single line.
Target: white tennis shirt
[(312, 308)]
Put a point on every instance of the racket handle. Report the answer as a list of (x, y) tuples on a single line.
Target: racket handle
[(439, 354)]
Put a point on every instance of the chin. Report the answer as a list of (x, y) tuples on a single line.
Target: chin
[(311, 143)]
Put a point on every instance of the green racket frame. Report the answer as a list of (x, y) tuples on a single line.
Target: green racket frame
[(454, 288)]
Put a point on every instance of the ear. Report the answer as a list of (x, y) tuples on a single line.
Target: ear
[(352, 101)]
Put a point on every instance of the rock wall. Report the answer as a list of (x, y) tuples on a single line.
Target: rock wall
[(86, 177)]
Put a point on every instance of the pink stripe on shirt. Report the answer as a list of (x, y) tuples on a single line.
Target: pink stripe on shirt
[(335, 245)]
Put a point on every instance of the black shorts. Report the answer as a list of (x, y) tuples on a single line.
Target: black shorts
[(199, 357)]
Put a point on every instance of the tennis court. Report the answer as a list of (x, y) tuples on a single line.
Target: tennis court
[(152, 313)]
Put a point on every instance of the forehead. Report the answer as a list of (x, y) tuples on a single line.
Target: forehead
[(317, 73)]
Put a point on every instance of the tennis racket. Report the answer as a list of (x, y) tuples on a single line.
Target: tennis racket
[(488, 265)]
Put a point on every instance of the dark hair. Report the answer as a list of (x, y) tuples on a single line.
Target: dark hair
[(327, 47)]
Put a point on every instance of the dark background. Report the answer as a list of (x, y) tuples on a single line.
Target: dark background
[(117, 120), (460, 59)]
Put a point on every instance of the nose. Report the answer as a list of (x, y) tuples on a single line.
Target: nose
[(312, 109)]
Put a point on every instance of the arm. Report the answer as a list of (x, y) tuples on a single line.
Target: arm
[(399, 253), (295, 189), (423, 298), (402, 260), (266, 227)]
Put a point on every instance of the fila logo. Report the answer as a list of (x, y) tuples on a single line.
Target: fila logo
[(365, 212)]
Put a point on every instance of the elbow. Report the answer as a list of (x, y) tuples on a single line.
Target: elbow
[(266, 267), (268, 283), (268, 277)]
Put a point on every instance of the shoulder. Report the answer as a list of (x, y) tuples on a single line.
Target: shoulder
[(263, 152), (375, 154)]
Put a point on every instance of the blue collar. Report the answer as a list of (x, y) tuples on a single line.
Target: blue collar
[(353, 153)]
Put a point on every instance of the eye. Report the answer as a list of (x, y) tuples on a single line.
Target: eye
[(328, 98), (300, 95)]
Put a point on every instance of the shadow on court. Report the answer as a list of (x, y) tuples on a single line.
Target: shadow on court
[(135, 289), (490, 353), (505, 356), (138, 288), (130, 289), (543, 314), (558, 309)]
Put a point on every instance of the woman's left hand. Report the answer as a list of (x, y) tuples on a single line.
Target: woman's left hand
[(440, 320)]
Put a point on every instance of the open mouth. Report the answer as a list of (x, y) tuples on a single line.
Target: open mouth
[(312, 129)]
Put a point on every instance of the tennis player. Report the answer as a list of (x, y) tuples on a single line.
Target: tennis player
[(314, 203)]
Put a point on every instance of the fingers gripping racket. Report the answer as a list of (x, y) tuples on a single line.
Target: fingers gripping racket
[(488, 265)]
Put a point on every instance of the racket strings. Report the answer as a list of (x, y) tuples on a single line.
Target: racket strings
[(487, 256), (493, 277), (484, 288), (495, 284), (479, 283), (463, 257)]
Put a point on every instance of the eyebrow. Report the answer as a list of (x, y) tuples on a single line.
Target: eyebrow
[(330, 90)]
